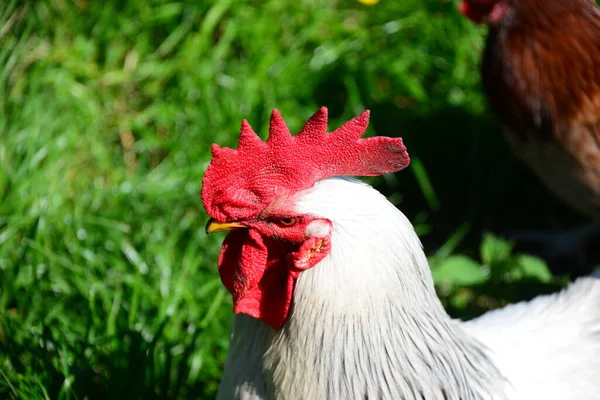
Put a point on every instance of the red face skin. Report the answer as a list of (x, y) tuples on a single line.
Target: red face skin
[(248, 188), (484, 11), (259, 265)]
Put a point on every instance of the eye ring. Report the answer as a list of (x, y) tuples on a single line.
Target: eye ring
[(287, 221)]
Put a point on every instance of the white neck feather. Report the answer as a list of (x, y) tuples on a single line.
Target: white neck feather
[(366, 322)]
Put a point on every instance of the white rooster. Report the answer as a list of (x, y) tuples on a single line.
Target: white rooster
[(334, 297)]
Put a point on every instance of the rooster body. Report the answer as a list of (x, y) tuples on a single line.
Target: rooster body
[(367, 323), (541, 75), (364, 320)]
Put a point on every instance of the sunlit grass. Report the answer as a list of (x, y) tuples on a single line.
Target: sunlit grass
[(108, 285)]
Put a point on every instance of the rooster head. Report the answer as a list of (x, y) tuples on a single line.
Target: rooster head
[(484, 11), (250, 191)]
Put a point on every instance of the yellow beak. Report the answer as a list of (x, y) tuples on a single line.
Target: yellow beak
[(215, 226)]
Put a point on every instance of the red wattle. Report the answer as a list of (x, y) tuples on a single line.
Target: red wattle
[(255, 272)]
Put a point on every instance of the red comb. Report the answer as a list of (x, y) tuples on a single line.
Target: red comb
[(239, 184)]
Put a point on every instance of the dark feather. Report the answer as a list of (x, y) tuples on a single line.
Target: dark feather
[(541, 74)]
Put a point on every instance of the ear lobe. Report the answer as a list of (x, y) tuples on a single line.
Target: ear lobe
[(319, 228), (310, 253)]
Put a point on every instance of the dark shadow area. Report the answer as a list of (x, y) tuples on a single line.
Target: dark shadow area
[(478, 180)]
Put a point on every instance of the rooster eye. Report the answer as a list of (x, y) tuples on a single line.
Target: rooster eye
[(287, 221)]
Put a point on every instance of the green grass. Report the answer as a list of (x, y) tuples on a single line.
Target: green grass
[(108, 285)]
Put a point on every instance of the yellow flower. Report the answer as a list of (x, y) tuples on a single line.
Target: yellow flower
[(369, 2)]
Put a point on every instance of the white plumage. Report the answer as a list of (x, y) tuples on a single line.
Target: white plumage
[(366, 323)]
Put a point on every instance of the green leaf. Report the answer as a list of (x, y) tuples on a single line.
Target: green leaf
[(458, 271), (495, 250), (532, 267)]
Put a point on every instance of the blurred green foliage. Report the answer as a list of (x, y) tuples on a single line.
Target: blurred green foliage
[(108, 285)]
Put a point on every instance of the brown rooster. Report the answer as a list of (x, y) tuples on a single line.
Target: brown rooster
[(541, 74)]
